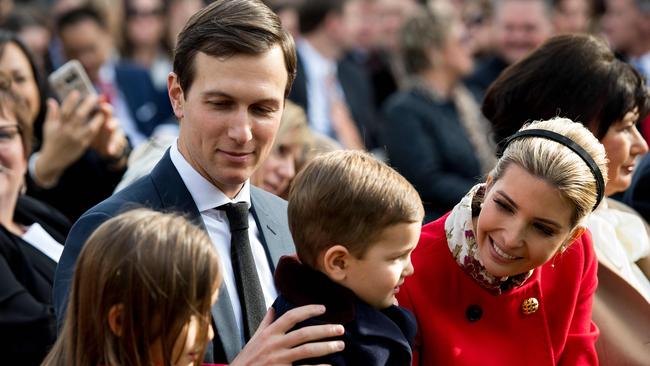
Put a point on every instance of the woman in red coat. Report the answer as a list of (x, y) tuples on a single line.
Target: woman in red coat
[(501, 279)]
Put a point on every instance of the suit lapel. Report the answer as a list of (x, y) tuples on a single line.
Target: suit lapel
[(172, 191), (272, 237), (226, 326), (175, 197)]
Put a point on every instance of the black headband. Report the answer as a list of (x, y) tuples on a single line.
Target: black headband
[(584, 155)]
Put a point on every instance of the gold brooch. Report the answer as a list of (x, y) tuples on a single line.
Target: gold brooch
[(529, 306)]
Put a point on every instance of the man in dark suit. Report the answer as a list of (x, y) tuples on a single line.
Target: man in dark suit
[(520, 26), (128, 87), (335, 91), (233, 67), (638, 194)]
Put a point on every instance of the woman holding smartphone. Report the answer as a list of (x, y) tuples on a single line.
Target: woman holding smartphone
[(79, 155), (31, 234)]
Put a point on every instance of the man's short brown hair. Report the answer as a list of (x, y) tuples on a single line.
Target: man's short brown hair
[(230, 27), (347, 198)]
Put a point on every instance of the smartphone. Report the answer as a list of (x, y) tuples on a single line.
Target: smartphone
[(71, 76)]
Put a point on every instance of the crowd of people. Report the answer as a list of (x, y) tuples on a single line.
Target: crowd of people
[(344, 182)]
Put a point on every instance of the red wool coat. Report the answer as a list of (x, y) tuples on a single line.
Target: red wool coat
[(460, 323)]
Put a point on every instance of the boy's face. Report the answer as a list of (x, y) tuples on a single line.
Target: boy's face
[(376, 277)]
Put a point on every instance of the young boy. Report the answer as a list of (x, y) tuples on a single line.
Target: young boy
[(355, 222)]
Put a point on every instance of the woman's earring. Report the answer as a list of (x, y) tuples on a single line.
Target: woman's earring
[(559, 251)]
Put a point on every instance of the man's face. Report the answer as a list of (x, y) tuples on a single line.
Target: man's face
[(362, 23), (87, 42), (391, 16), (520, 26), (230, 115), (620, 25)]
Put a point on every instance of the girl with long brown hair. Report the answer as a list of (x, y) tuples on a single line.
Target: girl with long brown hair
[(141, 294)]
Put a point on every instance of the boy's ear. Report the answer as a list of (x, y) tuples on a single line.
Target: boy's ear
[(115, 319), (335, 262)]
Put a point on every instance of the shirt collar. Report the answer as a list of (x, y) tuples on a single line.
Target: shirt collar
[(107, 71), (205, 195)]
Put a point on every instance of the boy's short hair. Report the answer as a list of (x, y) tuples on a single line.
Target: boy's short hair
[(347, 198)]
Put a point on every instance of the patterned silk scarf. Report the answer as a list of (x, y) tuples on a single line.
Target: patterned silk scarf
[(461, 240)]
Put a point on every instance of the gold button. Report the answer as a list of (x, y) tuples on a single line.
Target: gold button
[(529, 306)]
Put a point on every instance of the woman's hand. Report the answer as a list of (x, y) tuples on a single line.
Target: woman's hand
[(67, 132), (272, 345), (110, 141)]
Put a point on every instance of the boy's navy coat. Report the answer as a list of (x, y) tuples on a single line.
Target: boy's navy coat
[(372, 337)]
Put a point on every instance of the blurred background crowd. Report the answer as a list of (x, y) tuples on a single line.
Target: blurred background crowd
[(410, 95), (371, 76)]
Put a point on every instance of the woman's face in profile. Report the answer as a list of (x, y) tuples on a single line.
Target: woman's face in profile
[(145, 22), (279, 168), (13, 163), (623, 144), (16, 64), (455, 53), (523, 222)]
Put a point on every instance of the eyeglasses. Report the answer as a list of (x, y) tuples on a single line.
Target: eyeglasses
[(8, 133), (143, 13)]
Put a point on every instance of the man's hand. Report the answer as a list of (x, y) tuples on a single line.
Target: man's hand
[(272, 345)]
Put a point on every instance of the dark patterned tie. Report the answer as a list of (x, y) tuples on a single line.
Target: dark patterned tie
[(251, 297)]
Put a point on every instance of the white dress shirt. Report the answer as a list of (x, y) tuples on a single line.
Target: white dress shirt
[(318, 70), (207, 198), (120, 106), (642, 64)]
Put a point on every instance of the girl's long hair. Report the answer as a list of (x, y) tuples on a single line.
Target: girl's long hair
[(159, 268)]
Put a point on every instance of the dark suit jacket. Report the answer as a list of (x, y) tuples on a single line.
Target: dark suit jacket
[(427, 144), (485, 73), (27, 322), (149, 107), (358, 96), (638, 194), (164, 190)]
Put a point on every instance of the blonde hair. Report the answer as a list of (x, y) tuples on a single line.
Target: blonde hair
[(557, 164), (160, 268), (293, 119), (347, 198), (425, 30)]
